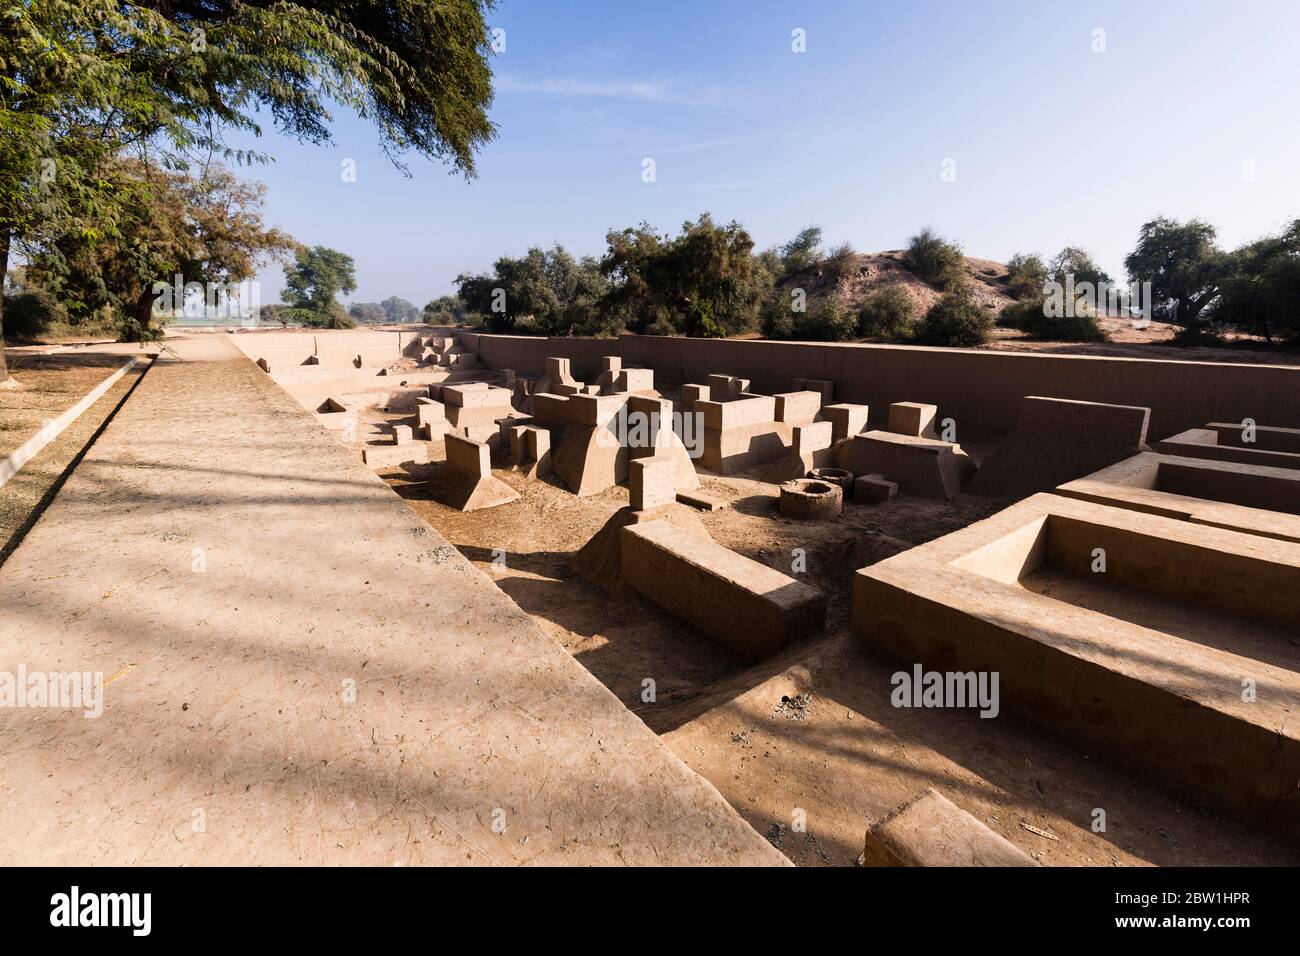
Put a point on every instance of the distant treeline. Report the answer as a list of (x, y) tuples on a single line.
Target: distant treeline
[(707, 280)]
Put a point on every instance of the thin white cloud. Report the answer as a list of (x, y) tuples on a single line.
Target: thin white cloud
[(646, 91), (644, 146)]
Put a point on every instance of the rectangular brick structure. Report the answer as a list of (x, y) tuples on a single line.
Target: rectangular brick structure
[(931, 830), (651, 483), (469, 457), (912, 418), (1128, 634), (748, 606), (1252, 498), (848, 419), (797, 408), (695, 393)]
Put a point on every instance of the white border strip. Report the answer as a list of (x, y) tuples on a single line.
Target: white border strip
[(50, 431)]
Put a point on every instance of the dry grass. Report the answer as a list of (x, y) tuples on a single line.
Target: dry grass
[(48, 385), (22, 495)]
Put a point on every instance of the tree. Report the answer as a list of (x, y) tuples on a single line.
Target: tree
[(444, 310), (887, 312), (1261, 294), (826, 320), (955, 320), (1073, 261), (175, 229), (313, 284), (1031, 317), (33, 312), (484, 296), (633, 258), (80, 81), (1183, 265), (547, 292), (1026, 275), (802, 252), (397, 310), (935, 259), (839, 264), (705, 281), (274, 312), (367, 313)]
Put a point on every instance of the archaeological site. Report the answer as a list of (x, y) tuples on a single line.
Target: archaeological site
[(501, 599), (735, 444)]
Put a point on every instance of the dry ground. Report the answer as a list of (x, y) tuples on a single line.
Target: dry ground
[(812, 732), (1154, 341), (292, 652), (32, 488), (813, 728), (526, 546), (824, 738), (48, 385)]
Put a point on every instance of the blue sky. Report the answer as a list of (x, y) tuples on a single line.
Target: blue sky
[(1051, 142)]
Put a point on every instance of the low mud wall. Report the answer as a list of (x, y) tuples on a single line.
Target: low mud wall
[(981, 390), (527, 354)]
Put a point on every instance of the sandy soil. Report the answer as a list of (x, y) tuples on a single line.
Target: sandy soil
[(825, 739), (526, 547), (1154, 341), (985, 279), (810, 736), (813, 728), (841, 753)]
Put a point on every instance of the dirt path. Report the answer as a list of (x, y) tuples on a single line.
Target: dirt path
[(299, 670)]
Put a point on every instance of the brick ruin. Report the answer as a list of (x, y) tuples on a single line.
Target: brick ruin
[(1105, 533)]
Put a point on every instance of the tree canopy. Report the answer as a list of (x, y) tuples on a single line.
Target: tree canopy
[(444, 310), (367, 313), (935, 259), (175, 229), (313, 284), (1261, 294), (705, 281), (1076, 262), (1026, 275), (398, 310), (801, 252), (1183, 264), (83, 80), (546, 291)]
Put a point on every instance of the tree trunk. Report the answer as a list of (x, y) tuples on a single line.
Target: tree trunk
[(143, 315), (4, 270)]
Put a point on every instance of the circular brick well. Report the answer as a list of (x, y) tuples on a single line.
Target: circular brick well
[(811, 500), (834, 476)]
